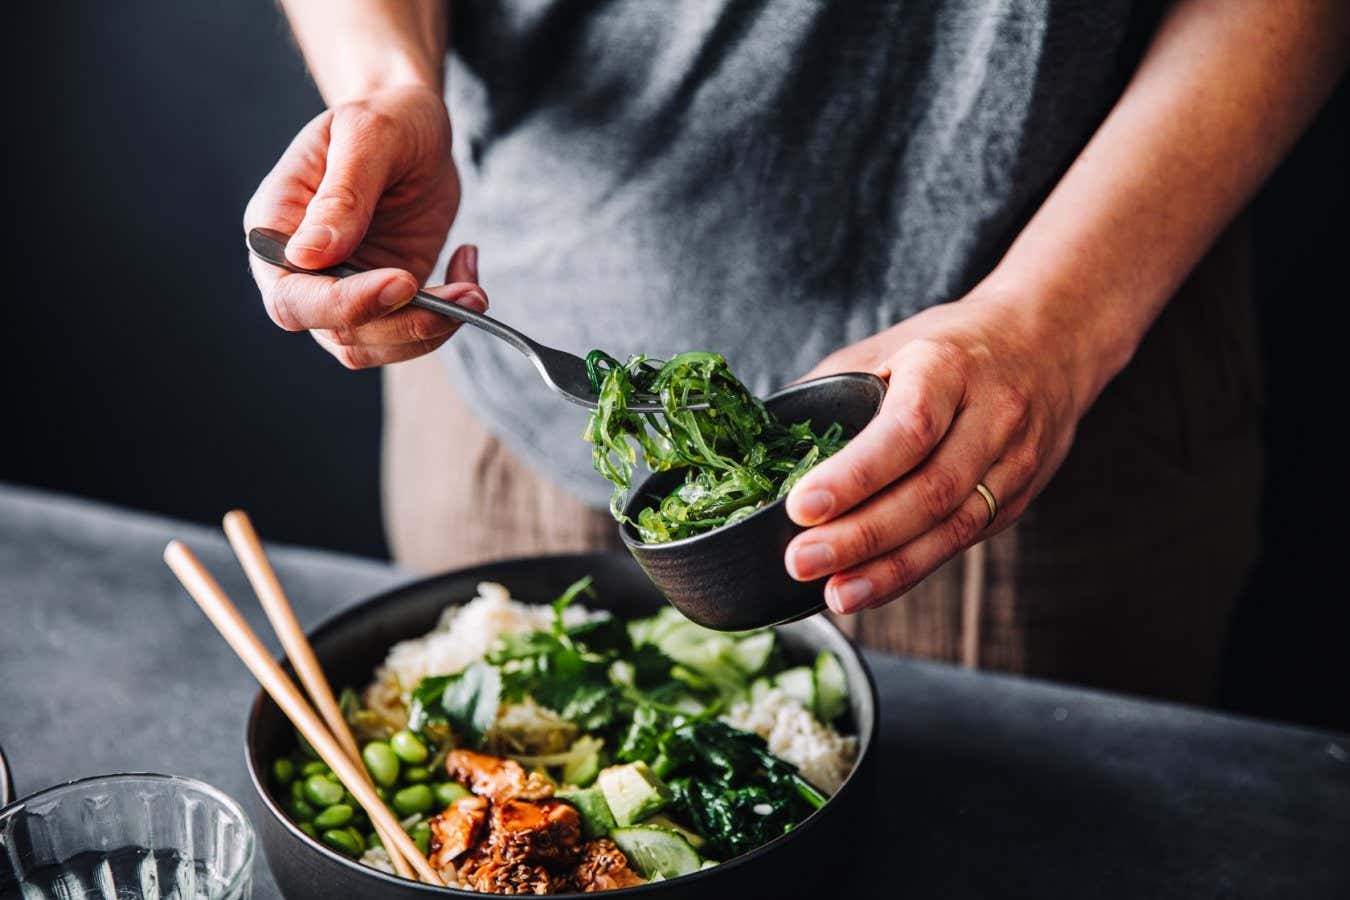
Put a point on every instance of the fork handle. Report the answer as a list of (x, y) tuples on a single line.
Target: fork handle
[(269, 245)]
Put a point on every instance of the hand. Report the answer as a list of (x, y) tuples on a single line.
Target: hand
[(979, 392), (377, 175)]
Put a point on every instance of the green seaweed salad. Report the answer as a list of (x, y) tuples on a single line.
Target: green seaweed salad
[(737, 455)]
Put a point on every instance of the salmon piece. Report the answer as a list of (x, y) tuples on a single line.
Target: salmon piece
[(602, 867), (540, 831), (494, 778), (456, 830), (488, 871)]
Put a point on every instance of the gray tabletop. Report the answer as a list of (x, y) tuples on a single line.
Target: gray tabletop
[(987, 785)]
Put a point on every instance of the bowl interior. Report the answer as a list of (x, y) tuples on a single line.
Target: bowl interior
[(350, 645), (850, 399)]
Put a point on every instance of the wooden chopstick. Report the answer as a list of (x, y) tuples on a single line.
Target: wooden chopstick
[(225, 616), (248, 548)]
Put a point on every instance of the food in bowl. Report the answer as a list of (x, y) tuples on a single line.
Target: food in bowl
[(555, 749), (737, 455)]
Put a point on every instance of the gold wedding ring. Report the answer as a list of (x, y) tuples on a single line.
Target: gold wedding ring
[(989, 501)]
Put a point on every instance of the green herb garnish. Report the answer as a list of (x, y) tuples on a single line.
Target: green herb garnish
[(738, 455)]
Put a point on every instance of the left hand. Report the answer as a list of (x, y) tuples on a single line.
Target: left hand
[(980, 391)]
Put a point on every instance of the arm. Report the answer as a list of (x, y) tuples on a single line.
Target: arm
[(372, 178), (989, 389)]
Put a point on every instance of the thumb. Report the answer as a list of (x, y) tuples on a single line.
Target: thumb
[(339, 213), (463, 264)]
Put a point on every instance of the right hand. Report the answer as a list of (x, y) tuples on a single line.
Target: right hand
[(377, 175)]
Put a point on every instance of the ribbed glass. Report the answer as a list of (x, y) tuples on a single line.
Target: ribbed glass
[(126, 837)]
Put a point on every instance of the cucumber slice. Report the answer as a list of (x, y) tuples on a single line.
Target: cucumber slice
[(800, 684), (706, 652), (581, 769), (831, 687), (656, 852), (661, 820), (752, 654)]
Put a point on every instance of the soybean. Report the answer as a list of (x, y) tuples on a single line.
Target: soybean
[(421, 836), (416, 774), (317, 767), (415, 799), (310, 830), (343, 841), (409, 747), (302, 811), (448, 792), (283, 770), (381, 762), (335, 816), (322, 791)]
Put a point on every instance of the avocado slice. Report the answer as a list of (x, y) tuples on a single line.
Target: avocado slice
[(596, 819), (633, 792)]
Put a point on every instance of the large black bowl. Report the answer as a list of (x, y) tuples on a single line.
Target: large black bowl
[(350, 646), (733, 578)]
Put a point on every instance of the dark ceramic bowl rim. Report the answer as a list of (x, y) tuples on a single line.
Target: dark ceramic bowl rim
[(628, 533), (392, 595)]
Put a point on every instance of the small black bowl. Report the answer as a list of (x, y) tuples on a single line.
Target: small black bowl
[(350, 645), (733, 578)]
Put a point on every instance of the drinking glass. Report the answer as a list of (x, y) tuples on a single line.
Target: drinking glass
[(128, 837)]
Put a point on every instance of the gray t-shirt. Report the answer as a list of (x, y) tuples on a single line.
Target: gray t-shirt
[(769, 179)]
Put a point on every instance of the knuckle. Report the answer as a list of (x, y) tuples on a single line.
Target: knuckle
[(965, 525), (353, 357), (859, 478), (342, 337), (899, 572), (938, 489), (867, 540), (338, 198), (365, 123), (280, 308), (947, 354), (918, 424), (1014, 403)]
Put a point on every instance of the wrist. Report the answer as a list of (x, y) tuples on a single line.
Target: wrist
[(378, 69), (1081, 330)]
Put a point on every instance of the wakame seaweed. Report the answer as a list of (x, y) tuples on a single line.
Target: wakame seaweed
[(737, 454)]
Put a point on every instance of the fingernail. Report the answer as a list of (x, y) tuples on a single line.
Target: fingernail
[(851, 595), (397, 292), (474, 301), (314, 238), (471, 260), (813, 506), (810, 561)]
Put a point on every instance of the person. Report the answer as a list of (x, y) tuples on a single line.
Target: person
[(1026, 216)]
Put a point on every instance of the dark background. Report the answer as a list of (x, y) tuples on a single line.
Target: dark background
[(140, 368)]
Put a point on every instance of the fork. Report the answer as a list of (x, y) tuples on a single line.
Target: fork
[(564, 373)]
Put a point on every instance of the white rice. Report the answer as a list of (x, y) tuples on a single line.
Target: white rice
[(823, 755), (463, 636)]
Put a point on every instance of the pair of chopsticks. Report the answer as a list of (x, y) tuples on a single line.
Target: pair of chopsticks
[(336, 747)]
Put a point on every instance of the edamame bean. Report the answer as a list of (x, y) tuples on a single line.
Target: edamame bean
[(409, 747), (335, 816), (415, 799), (283, 770), (322, 791), (317, 767), (310, 830), (298, 789), (416, 774), (302, 811), (421, 836), (373, 840), (344, 841), (381, 762), (448, 792)]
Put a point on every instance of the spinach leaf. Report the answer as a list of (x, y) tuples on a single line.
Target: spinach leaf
[(470, 701), (737, 454)]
